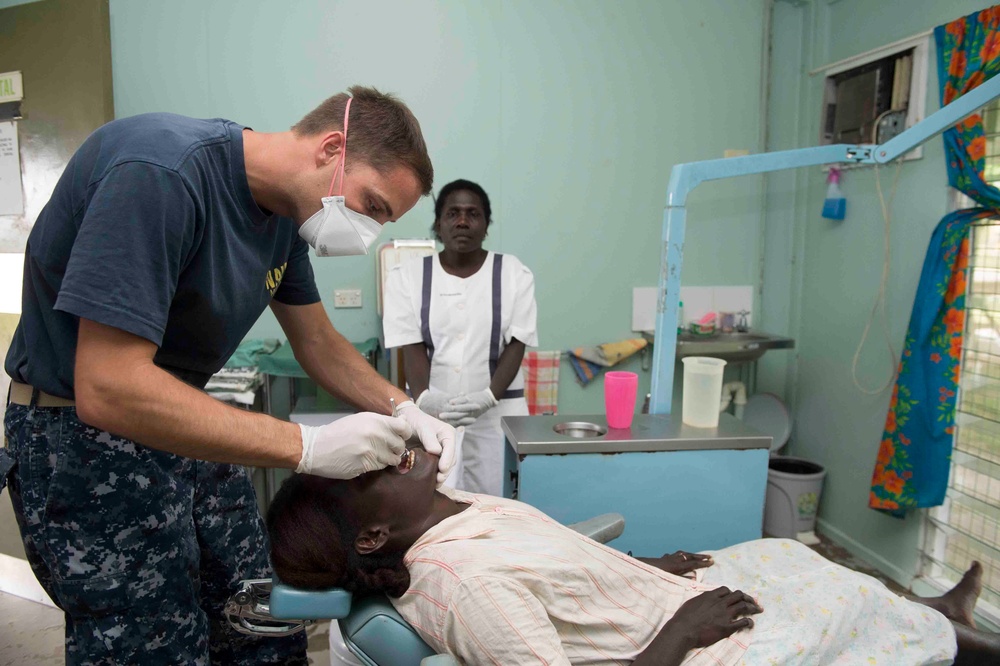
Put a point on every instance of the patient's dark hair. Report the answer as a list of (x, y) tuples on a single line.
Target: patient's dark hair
[(312, 541)]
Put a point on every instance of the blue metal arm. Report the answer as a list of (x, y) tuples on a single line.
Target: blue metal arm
[(686, 177)]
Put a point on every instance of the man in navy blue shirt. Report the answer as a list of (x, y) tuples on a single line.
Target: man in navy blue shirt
[(163, 241)]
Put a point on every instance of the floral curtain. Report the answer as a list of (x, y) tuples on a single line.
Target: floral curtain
[(914, 457)]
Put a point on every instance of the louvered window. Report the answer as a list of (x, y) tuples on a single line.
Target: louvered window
[(967, 526)]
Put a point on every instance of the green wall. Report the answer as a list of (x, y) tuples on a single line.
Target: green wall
[(822, 277), (569, 114)]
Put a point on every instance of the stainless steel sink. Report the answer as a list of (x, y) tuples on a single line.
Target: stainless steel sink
[(733, 347), (580, 429)]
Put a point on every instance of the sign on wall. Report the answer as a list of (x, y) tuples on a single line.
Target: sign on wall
[(11, 87)]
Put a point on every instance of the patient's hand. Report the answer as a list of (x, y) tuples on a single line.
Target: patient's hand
[(712, 616), (699, 622), (680, 563)]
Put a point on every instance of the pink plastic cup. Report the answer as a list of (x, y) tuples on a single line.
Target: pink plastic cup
[(619, 398)]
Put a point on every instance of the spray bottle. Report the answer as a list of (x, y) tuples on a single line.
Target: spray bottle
[(835, 205)]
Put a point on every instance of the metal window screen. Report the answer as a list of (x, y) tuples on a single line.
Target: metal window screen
[(967, 526)]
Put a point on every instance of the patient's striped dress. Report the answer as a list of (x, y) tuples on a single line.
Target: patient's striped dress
[(502, 583)]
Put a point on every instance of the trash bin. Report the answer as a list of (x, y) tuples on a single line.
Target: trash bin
[(793, 489)]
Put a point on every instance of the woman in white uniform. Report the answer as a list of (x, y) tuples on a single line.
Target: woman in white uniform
[(463, 318)]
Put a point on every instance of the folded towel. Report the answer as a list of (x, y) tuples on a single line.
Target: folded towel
[(541, 381), (234, 379), (248, 353), (588, 361)]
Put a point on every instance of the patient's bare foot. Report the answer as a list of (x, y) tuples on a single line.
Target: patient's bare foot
[(958, 603)]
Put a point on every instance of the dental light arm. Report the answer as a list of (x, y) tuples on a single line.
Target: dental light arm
[(686, 177)]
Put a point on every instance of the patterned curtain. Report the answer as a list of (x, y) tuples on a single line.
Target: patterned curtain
[(914, 457)]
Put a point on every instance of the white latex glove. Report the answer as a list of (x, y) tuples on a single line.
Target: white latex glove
[(436, 436), (353, 445), (447, 412), (434, 403), (472, 405), (456, 419)]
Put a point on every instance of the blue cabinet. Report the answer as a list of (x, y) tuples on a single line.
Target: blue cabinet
[(678, 487)]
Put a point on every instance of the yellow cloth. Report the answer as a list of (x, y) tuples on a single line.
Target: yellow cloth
[(616, 352), (588, 361)]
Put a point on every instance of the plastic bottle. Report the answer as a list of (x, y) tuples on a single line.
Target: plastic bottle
[(835, 205)]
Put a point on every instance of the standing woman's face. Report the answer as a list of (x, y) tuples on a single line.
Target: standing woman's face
[(462, 225)]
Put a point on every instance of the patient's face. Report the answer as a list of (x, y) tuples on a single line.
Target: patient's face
[(400, 497)]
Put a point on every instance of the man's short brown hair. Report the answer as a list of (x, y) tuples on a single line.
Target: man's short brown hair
[(382, 131)]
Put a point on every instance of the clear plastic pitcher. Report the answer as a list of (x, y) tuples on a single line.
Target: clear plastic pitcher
[(702, 391)]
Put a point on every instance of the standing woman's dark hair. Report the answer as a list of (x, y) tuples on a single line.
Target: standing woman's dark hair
[(458, 186)]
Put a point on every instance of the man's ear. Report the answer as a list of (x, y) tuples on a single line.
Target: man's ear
[(371, 540), (329, 148)]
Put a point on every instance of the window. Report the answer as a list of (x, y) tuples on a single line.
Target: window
[(873, 96), (967, 526), (868, 104)]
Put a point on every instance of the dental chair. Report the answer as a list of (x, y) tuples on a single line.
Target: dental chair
[(372, 631)]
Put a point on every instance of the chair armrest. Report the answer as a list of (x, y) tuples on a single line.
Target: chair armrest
[(601, 529), (439, 660)]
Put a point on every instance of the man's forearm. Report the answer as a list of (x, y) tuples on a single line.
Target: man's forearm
[(149, 405), (333, 363)]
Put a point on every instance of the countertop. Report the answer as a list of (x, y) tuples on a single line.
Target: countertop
[(649, 432)]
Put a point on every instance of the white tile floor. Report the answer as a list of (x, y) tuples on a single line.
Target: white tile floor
[(32, 633)]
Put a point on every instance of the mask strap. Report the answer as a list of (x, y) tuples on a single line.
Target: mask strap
[(343, 155)]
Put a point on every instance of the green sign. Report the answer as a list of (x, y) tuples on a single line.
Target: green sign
[(10, 87)]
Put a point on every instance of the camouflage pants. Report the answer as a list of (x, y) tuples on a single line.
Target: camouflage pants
[(139, 548)]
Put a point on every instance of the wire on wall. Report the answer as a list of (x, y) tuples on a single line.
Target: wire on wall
[(878, 307)]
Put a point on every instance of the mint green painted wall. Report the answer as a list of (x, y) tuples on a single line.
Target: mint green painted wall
[(822, 277), (570, 115)]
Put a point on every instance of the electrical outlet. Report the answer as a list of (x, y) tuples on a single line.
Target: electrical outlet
[(347, 298)]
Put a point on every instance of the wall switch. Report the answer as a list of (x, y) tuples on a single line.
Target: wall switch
[(347, 298)]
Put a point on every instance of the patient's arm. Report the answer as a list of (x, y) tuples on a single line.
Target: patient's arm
[(492, 620), (699, 622)]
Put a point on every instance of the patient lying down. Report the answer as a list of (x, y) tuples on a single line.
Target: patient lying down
[(495, 581)]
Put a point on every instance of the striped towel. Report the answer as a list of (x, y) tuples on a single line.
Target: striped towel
[(541, 381), (588, 362)]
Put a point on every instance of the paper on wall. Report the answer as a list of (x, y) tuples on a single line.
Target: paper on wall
[(11, 191)]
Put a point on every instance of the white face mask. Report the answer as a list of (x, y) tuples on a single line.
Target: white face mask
[(335, 230)]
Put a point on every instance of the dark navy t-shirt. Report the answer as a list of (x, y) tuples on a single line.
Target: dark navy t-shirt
[(152, 229)]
